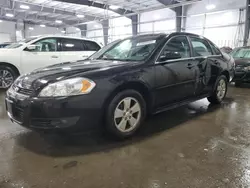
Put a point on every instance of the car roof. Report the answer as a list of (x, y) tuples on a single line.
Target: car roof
[(63, 36)]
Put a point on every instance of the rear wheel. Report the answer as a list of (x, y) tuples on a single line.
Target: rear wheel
[(125, 114), (7, 76), (220, 91)]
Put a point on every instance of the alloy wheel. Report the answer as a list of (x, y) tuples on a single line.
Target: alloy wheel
[(127, 114), (6, 78), (221, 89)]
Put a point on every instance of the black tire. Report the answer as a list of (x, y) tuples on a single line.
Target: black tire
[(13, 73), (214, 98), (110, 123), (237, 84)]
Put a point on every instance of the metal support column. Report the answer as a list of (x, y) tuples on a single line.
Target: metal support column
[(178, 11), (105, 27), (83, 29), (135, 21), (247, 23)]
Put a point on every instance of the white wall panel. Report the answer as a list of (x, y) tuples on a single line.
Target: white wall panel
[(37, 30), (120, 28), (222, 18), (95, 32), (5, 37), (8, 29)]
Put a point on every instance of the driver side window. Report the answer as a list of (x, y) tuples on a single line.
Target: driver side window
[(176, 48), (46, 45)]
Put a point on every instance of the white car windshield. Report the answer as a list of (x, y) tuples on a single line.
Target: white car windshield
[(20, 43)]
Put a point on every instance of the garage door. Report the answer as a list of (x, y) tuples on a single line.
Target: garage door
[(4, 37)]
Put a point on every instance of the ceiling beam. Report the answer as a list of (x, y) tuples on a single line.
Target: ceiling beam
[(120, 11)]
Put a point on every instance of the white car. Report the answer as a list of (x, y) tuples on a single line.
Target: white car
[(36, 52)]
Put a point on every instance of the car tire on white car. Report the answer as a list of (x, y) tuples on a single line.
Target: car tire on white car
[(220, 90), (7, 76), (125, 114)]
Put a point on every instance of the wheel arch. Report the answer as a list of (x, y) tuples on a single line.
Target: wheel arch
[(11, 66), (134, 85), (226, 73)]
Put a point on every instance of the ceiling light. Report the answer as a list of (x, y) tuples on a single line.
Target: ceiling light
[(42, 25), (1, 21), (59, 21), (63, 31), (210, 6), (78, 29), (31, 28), (80, 16), (114, 7), (24, 7), (9, 15), (96, 26)]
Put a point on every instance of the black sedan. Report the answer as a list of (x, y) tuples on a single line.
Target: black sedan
[(119, 85), (242, 65)]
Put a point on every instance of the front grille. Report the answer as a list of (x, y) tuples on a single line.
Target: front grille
[(22, 91)]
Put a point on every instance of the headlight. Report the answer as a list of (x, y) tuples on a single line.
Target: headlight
[(247, 68), (69, 87)]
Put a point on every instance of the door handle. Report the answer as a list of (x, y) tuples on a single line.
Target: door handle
[(54, 56), (190, 65)]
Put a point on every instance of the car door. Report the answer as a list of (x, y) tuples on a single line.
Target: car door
[(175, 72), (45, 53), (204, 58)]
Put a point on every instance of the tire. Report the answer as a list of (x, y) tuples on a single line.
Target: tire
[(123, 121), (237, 84), (217, 98), (7, 76)]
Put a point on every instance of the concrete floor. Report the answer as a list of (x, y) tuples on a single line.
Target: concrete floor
[(198, 145)]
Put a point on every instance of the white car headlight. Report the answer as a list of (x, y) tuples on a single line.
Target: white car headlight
[(69, 87)]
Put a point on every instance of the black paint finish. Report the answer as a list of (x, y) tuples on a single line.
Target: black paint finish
[(162, 84)]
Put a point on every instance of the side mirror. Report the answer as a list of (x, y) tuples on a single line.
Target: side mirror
[(31, 47), (170, 56)]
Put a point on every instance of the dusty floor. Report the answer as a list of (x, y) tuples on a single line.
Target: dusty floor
[(193, 146)]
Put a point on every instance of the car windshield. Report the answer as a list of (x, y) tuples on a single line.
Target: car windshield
[(133, 49), (20, 43), (241, 53)]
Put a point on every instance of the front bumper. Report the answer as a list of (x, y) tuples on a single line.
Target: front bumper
[(74, 114)]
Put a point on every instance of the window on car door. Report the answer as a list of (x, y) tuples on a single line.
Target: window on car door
[(91, 46), (200, 47), (176, 48), (46, 45)]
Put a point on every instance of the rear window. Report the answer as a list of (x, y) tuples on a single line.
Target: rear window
[(91, 46)]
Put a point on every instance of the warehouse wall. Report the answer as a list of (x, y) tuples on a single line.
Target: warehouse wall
[(95, 32), (157, 21), (224, 25), (40, 30), (119, 28), (7, 31)]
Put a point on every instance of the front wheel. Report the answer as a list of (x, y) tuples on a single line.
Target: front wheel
[(7, 76), (125, 114), (220, 90)]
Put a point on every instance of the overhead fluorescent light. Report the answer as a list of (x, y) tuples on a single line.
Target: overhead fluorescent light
[(96, 26), (63, 31), (42, 25), (80, 16), (78, 29), (59, 21), (1, 21), (31, 28), (9, 15), (210, 6), (114, 7), (24, 7)]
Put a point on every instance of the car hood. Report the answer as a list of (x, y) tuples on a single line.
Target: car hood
[(242, 61), (69, 69)]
